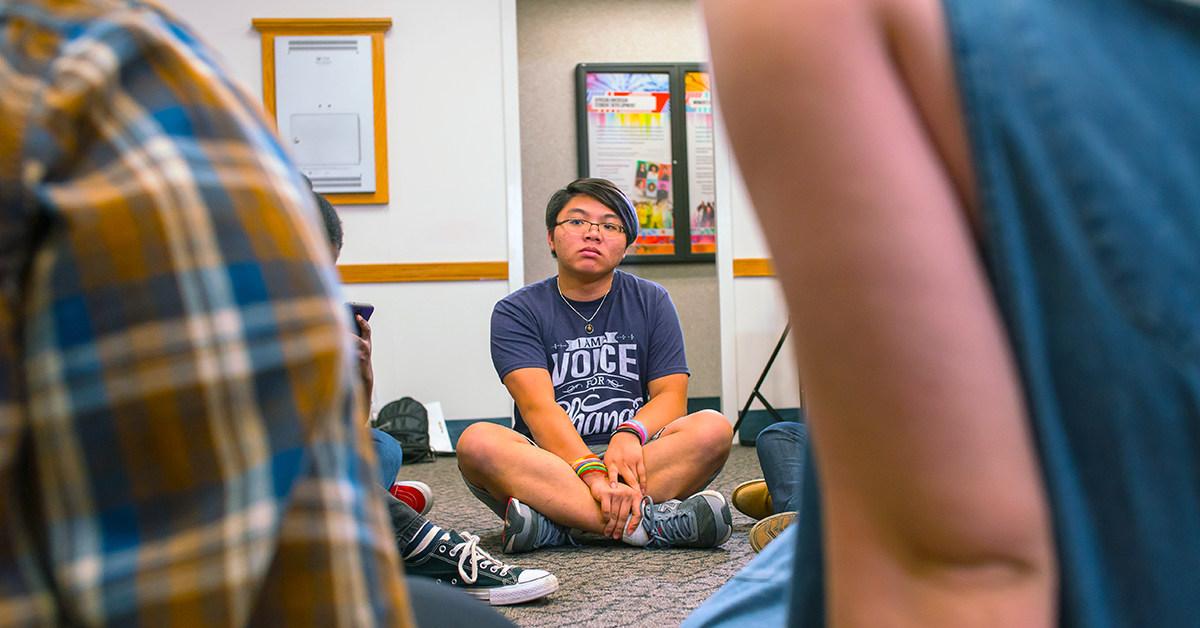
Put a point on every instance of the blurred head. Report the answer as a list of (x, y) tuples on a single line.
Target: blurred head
[(333, 225), (329, 216)]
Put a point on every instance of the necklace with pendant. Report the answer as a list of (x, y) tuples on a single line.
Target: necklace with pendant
[(586, 319)]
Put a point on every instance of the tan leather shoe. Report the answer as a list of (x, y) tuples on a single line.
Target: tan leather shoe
[(766, 530), (752, 499)]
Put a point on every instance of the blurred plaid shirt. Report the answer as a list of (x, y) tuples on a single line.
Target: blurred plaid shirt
[(179, 442)]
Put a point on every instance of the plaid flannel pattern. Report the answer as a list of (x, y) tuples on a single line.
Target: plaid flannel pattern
[(179, 441)]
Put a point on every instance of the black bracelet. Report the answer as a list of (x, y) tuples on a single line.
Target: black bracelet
[(627, 430)]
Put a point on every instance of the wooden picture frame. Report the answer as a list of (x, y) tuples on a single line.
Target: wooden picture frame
[(373, 27)]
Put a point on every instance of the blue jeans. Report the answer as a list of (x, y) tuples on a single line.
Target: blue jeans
[(389, 456), (780, 449), (757, 595)]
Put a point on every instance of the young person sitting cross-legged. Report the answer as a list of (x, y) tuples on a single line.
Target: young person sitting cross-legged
[(594, 359)]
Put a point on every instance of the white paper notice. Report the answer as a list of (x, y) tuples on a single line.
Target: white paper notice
[(439, 436)]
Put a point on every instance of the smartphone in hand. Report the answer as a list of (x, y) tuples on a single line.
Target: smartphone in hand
[(360, 309)]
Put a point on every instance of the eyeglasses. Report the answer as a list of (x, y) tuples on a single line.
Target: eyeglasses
[(578, 226)]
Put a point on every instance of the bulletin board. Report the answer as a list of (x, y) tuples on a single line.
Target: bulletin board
[(648, 129), (328, 102)]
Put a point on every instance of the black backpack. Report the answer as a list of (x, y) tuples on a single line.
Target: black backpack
[(406, 420)]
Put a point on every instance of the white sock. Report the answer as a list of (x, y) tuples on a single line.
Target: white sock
[(639, 538)]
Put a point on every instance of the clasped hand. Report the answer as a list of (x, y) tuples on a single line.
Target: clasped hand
[(620, 503)]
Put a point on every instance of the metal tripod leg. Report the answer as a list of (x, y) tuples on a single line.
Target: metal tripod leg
[(755, 394)]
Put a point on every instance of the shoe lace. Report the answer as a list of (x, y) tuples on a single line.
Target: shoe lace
[(469, 549), (667, 526)]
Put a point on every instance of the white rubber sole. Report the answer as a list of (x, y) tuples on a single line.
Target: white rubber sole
[(766, 530), (421, 488), (516, 593)]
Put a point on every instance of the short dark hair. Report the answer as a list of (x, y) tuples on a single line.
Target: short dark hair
[(329, 216), (600, 190), (333, 223)]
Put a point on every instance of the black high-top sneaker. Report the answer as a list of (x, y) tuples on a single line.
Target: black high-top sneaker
[(456, 559)]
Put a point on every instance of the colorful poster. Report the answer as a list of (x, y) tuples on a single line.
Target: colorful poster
[(629, 143), (702, 179)]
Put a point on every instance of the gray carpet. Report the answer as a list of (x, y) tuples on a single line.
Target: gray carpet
[(604, 583)]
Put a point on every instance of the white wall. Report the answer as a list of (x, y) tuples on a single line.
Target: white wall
[(451, 149)]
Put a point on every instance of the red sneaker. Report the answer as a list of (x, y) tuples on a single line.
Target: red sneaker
[(416, 494)]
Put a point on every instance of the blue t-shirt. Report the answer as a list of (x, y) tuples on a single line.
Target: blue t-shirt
[(600, 378)]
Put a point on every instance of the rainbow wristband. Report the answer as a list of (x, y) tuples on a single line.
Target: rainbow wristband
[(637, 427), (628, 429), (589, 464)]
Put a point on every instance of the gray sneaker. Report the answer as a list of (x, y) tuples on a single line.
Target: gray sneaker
[(525, 530), (458, 561), (700, 521)]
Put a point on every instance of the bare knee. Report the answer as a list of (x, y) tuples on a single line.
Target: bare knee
[(712, 432), (720, 431), (479, 446)]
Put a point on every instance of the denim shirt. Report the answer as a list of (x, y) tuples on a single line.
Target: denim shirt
[(1083, 121)]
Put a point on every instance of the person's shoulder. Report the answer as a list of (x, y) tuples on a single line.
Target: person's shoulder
[(633, 283), (74, 19), (57, 24), (82, 44), (63, 11), (531, 295)]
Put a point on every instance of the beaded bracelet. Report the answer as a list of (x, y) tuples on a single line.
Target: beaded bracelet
[(589, 464), (637, 427)]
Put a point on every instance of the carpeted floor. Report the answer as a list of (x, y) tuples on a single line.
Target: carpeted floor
[(604, 583)]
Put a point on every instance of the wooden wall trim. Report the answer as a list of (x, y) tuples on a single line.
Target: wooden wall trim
[(752, 267), (403, 273), (485, 271), (335, 26)]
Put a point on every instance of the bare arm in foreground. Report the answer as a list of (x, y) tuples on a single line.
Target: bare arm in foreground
[(845, 121)]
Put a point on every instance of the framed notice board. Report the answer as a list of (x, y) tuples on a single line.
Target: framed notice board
[(648, 128), (323, 82)]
